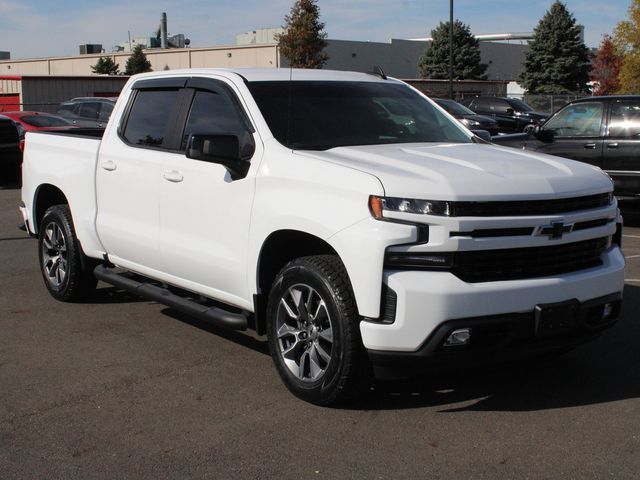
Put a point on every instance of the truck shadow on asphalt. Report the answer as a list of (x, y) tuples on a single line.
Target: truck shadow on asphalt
[(605, 370)]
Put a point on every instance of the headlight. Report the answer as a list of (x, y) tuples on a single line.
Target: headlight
[(379, 205), (470, 123)]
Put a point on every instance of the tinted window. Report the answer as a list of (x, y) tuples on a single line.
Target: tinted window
[(89, 110), (577, 120), (149, 118), (625, 120), (213, 113), (45, 121), (323, 115), (105, 110), (68, 110), (497, 105)]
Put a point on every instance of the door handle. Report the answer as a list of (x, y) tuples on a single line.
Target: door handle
[(612, 145), (109, 165), (590, 146), (173, 176)]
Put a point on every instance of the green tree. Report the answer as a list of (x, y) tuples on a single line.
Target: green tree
[(434, 61), (627, 40), (106, 66), (557, 60), (304, 39), (606, 68), (137, 62)]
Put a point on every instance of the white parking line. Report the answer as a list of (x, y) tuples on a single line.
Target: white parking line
[(632, 256), (631, 236), (632, 279)]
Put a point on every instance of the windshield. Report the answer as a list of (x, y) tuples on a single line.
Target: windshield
[(45, 121), (519, 105), (454, 108), (325, 114)]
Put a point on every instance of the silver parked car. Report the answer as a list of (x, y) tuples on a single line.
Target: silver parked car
[(88, 112)]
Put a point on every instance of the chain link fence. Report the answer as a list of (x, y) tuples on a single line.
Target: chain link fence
[(546, 103)]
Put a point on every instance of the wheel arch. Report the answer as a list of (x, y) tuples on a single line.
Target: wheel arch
[(46, 196), (278, 249)]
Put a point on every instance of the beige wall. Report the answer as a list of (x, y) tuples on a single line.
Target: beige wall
[(221, 57)]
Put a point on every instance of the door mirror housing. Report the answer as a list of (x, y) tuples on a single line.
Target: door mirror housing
[(482, 134), (544, 135), (222, 149)]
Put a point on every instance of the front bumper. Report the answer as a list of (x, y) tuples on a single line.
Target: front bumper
[(427, 300), (507, 336)]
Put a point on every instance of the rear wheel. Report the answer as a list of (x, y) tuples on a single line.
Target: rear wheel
[(313, 331), (67, 272)]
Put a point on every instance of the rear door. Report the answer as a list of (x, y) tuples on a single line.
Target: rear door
[(578, 131), (622, 146), (129, 172)]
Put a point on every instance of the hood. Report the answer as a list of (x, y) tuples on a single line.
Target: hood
[(468, 172)]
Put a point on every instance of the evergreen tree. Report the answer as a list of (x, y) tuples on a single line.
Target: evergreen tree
[(434, 62), (137, 62), (606, 68), (557, 60), (627, 40), (304, 39), (106, 66)]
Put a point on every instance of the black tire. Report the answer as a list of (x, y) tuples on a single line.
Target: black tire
[(66, 271), (334, 315)]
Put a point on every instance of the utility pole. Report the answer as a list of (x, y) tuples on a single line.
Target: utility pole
[(451, 49)]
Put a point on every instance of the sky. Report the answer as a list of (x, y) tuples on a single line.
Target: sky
[(39, 28)]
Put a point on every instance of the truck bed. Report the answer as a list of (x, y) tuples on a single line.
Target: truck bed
[(65, 161)]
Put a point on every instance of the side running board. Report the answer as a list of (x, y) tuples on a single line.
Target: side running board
[(213, 315)]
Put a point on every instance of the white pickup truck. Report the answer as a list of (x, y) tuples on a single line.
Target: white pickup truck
[(344, 215)]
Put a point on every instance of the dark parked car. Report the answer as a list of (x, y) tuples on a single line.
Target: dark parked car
[(602, 131), (512, 115), (88, 112), (9, 149), (468, 117)]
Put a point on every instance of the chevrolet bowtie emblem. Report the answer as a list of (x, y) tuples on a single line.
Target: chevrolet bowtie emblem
[(555, 230)]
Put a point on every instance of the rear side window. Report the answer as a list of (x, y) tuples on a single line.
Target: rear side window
[(148, 122), (105, 111), (625, 120), (89, 110), (213, 113)]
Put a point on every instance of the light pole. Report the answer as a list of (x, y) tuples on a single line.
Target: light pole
[(451, 49)]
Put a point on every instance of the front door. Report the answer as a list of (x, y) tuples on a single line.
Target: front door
[(577, 133), (204, 214)]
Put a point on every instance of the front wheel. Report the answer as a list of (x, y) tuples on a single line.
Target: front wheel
[(67, 272), (313, 331)]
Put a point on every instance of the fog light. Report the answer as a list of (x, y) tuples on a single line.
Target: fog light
[(462, 336), (607, 311)]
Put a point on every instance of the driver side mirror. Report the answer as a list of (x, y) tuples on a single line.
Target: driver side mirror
[(544, 135), (222, 149)]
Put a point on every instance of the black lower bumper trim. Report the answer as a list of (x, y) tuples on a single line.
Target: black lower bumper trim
[(507, 336)]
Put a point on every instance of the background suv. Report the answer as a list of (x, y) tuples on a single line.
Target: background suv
[(88, 112), (512, 115)]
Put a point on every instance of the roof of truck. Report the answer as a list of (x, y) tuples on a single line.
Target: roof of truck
[(274, 74)]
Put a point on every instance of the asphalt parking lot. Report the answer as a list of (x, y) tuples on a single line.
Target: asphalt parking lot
[(125, 388)]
